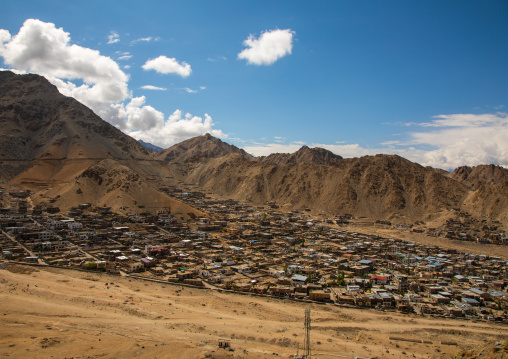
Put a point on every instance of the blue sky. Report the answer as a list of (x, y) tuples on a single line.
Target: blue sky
[(427, 80)]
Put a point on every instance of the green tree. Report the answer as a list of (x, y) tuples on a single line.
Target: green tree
[(340, 278)]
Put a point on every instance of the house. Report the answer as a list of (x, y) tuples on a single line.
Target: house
[(298, 280), (276, 273), (244, 268), (378, 280), (319, 296), (281, 291)]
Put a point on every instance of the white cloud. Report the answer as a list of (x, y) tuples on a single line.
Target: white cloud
[(165, 65), (268, 48), (4, 36), (97, 81), (177, 128), (42, 48), (155, 88), (113, 37), (124, 57), (269, 148), (138, 117), (188, 90), (464, 139), (390, 143), (145, 39)]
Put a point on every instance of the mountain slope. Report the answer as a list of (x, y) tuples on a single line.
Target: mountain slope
[(374, 186), (110, 183), (488, 194), (198, 148), (40, 124), (150, 147), (314, 156), (60, 148)]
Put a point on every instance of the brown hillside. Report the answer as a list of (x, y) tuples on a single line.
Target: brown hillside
[(198, 148), (373, 186), (52, 144), (40, 124), (109, 183), (483, 175), (489, 190), (313, 156)]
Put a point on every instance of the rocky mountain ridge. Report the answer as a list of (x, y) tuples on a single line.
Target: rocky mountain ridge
[(312, 156), (52, 144)]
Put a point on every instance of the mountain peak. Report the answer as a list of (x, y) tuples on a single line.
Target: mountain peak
[(199, 147), (39, 123), (482, 175), (313, 156)]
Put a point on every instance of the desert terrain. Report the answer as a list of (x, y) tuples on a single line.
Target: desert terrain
[(57, 313)]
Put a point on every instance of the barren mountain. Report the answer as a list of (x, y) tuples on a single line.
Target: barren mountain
[(488, 194), (54, 144), (109, 183), (44, 129), (312, 156), (483, 175), (374, 186), (199, 148)]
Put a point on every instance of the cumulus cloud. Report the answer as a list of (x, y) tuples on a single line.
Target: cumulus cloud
[(155, 88), (268, 48), (97, 81), (176, 128), (464, 139), (138, 117), (446, 142), (166, 65), (42, 48), (4, 36), (113, 37)]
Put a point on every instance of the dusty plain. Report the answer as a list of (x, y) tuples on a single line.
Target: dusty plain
[(57, 313)]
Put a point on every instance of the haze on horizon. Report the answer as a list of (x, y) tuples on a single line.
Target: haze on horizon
[(425, 80)]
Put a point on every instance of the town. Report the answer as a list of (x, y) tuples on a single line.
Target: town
[(264, 251)]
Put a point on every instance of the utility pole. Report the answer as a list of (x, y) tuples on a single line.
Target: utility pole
[(306, 346)]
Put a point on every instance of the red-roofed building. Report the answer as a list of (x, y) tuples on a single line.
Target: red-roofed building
[(378, 280)]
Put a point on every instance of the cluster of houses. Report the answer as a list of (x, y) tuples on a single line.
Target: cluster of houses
[(261, 250)]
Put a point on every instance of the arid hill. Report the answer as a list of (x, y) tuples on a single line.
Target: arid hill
[(199, 148), (40, 125), (58, 147), (373, 186), (488, 194), (312, 156)]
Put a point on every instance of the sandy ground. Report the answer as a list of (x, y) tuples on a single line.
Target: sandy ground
[(57, 313)]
